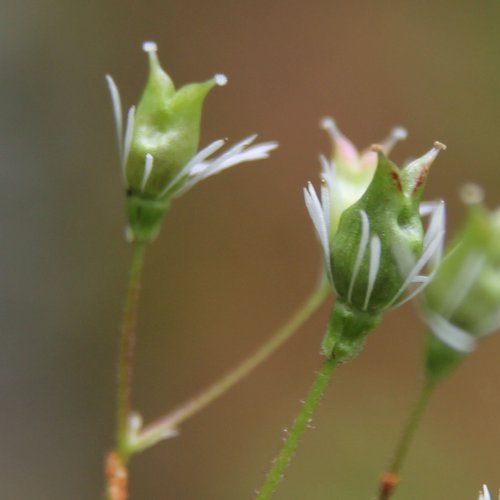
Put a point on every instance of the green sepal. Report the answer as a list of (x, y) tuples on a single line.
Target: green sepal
[(441, 360), (347, 332), (145, 217), (394, 217)]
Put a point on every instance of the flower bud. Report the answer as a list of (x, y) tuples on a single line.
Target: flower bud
[(463, 302), (379, 249), (158, 148), (349, 172)]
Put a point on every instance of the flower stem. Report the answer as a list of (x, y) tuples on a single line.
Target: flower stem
[(126, 355), (164, 426), (390, 479), (299, 426)]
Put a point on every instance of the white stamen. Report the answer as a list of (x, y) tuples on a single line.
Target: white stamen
[(129, 131), (326, 204), (220, 79), (485, 494), (117, 111), (450, 334), (149, 47), (194, 165), (231, 157), (375, 252), (429, 254), (255, 152), (436, 224), (463, 282), (363, 243), (426, 207), (432, 255), (316, 213), (197, 169), (148, 167)]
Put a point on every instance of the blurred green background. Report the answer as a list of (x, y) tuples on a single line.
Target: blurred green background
[(237, 254)]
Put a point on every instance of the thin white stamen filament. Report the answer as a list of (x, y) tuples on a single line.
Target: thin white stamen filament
[(196, 161), (436, 223), (148, 167), (485, 494), (375, 253), (326, 205), (463, 282), (117, 112), (316, 213), (363, 243), (427, 255), (450, 334), (129, 130), (237, 154)]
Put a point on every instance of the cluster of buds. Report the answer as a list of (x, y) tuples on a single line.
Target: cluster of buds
[(462, 305), (158, 148), (374, 245)]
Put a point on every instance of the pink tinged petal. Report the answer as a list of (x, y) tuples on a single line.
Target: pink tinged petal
[(345, 153)]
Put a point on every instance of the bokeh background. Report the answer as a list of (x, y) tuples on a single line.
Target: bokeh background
[(237, 255)]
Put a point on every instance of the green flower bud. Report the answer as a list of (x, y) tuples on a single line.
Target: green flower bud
[(158, 148), (379, 249), (462, 304)]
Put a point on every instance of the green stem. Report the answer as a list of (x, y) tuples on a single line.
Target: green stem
[(165, 425), (391, 478), (299, 426), (126, 356)]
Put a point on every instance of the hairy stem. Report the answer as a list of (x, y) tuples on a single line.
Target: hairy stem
[(390, 479), (126, 355), (170, 422), (298, 428)]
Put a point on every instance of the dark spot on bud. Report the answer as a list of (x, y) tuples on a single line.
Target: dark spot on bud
[(421, 178), (397, 181)]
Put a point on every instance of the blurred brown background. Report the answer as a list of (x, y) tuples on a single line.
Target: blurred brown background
[(237, 254)]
